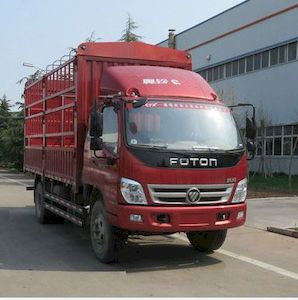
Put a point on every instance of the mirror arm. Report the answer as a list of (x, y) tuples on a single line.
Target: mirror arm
[(110, 160), (94, 152), (251, 157)]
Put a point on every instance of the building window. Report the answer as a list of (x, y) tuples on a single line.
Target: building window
[(257, 61), (241, 65), (259, 147), (288, 130), (221, 72), (278, 55), (269, 146), (287, 146), (282, 54), (295, 151), (292, 51), (269, 131), (209, 75), (277, 146), (249, 63), (274, 57), (215, 73), (265, 59), (203, 74), (235, 68), (260, 132), (278, 130), (277, 140), (228, 69)]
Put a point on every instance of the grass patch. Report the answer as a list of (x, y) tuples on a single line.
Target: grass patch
[(278, 182)]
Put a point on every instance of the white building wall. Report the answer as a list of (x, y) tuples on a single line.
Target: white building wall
[(281, 28), (273, 90), (243, 13)]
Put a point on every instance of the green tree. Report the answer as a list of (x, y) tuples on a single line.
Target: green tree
[(92, 38), (11, 135), (127, 34), (4, 112)]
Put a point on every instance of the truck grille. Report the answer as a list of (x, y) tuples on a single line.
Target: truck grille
[(176, 194)]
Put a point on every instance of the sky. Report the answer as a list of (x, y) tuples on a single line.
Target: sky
[(41, 31)]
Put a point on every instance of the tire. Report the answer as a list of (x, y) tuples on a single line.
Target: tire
[(207, 241), (43, 216), (103, 235)]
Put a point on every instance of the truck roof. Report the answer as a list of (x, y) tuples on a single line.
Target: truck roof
[(156, 81), (136, 52)]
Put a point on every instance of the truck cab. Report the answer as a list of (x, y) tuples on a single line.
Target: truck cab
[(165, 154)]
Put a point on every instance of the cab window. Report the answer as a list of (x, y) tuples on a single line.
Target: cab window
[(110, 129)]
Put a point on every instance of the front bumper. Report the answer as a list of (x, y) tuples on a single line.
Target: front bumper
[(181, 219)]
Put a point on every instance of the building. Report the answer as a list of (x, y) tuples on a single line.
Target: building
[(249, 54)]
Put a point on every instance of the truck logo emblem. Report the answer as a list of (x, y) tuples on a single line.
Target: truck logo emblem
[(193, 195), (193, 162)]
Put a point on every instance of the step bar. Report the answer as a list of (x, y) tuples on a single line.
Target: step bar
[(82, 210)]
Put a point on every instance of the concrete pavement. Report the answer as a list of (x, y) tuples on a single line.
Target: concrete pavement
[(57, 259), (281, 212)]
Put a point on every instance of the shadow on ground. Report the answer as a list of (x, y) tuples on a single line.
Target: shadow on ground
[(27, 245)]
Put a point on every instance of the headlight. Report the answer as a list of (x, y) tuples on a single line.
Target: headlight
[(241, 191), (132, 191)]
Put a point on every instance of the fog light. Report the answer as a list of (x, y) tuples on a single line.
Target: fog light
[(223, 216), (163, 218), (240, 215), (135, 218)]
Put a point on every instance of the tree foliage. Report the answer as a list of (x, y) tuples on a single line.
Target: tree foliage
[(4, 112), (92, 38), (11, 135), (128, 34)]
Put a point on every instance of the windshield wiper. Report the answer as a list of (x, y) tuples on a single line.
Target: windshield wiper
[(233, 151), (152, 146), (195, 147), (218, 150), (164, 147)]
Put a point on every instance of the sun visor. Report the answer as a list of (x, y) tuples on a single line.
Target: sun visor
[(148, 81)]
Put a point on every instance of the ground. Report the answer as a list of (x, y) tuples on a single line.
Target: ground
[(57, 259)]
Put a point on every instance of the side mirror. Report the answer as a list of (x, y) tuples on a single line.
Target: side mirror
[(95, 143), (251, 129), (96, 124), (251, 149)]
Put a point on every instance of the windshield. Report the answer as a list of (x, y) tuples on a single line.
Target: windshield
[(182, 126)]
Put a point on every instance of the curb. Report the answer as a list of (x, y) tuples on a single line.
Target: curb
[(284, 231)]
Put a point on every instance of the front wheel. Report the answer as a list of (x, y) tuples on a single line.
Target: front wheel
[(103, 235), (206, 241)]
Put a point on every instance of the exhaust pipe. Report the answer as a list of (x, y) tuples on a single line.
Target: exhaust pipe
[(171, 39)]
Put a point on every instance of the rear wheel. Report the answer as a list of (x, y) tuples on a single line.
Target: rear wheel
[(43, 216), (103, 235), (206, 241)]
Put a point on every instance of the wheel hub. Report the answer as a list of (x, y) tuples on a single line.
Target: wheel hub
[(98, 230)]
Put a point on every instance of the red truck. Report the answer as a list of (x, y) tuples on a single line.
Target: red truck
[(126, 139)]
